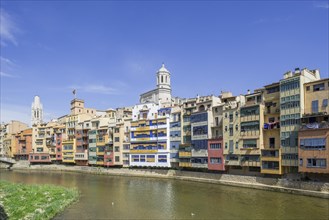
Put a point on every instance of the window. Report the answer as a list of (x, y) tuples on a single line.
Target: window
[(39, 149), (44, 157), (216, 109), (225, 145), (250, 126), (315, 105), (117, 158), (117, 139), (318, 87), (215, 160), (307, 88), (36, 157), (236, 145), (217, 121), (316, 163), (225, 114), (251, 143), (272, 142), (116, 130), (325, 103), (231, 116), (135, 158), (254, 110), (162, 158), (231, 130), (301, 162), (215, 146), (225, 128), (231, 146), (117, 149), (313, 143)]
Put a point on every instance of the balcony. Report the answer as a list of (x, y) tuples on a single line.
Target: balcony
[(250, 163), (175, 138), (143, 151), (250, 134), (23, 138), (81, 156), (249, 118), (291, 162), (185, 164), (270, 171), (100, 153), (232, 162), (100, 162), (200, 165), (185, 154), (264, 158), (315, 125), (271, 126)]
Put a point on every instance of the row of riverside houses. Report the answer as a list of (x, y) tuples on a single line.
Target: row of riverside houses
[(279, 129)]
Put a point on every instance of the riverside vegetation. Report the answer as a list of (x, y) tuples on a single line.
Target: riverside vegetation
[(21, 201)]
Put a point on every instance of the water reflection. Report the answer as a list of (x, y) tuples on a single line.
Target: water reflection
[(146, 198)]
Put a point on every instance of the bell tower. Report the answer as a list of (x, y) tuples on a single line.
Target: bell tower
[(163, 78)]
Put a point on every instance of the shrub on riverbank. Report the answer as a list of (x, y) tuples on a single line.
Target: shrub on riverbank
[(21, 201)]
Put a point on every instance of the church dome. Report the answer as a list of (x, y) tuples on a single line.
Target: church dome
[(163, 69)]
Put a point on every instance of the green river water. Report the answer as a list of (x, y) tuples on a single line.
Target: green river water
[(112, 197)]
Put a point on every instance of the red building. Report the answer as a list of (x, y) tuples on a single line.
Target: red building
[(215, 154)]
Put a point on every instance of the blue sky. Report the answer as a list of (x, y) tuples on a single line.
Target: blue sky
[(111, 50)]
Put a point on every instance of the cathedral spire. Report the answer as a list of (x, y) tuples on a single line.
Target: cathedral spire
[(37, 111)]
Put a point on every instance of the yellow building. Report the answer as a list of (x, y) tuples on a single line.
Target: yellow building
[(271, 154), (231, 131), (7, 137), (251, 132)]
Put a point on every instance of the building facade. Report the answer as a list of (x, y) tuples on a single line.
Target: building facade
[(150, 136), (313, 136), (291, 110)]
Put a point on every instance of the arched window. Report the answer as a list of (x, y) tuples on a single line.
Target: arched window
[(201, 108), (161, 79)]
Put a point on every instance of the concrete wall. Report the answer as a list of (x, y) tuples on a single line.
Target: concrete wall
[(316, 189)]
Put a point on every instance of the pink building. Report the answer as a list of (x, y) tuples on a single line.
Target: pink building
[(215, 154)]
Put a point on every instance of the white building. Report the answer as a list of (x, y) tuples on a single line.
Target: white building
[(150, 136)]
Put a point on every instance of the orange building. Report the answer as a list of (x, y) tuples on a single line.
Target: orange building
[(23, 141), (313, 136)]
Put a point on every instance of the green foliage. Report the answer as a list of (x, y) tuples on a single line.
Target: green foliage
[(21, 201)]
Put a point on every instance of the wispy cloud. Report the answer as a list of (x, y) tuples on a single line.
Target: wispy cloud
[(3, 74), (21, 113), (8, 29), (270, 20), (323, 4), (15, 112), (96, 88), (6, 61)]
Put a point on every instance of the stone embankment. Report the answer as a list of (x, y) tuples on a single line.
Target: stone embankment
[(308, 188)]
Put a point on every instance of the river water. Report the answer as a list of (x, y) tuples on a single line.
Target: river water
[(113, 197)]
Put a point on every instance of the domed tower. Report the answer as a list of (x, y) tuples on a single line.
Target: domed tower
[(37, 111), (163, 78)]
